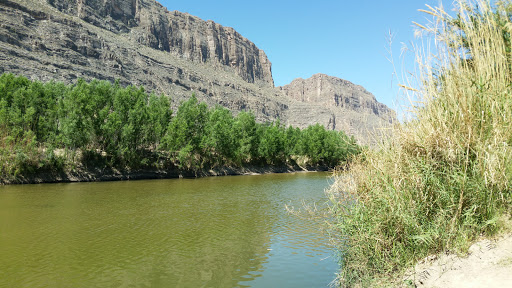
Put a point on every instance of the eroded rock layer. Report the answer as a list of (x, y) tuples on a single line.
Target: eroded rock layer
[(345, 106)]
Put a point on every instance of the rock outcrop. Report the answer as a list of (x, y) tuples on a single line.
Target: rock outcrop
[(344, 106), (334, 92), (183, 35), (139, 42)]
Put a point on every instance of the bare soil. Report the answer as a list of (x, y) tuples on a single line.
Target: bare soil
[(487, 264)]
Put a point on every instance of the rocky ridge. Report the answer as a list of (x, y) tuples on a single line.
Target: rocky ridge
[(345, 106), (140, 42), (330, 91), (150, 24)]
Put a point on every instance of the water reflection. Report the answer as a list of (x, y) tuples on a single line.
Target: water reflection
[(210, 232)]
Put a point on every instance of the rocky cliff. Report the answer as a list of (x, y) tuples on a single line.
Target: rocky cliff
[(338, 105), (183, 35), (142, 43), (336, 93), (344, 105)]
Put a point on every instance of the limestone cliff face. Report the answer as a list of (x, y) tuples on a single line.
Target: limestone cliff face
[(339, 105), (184, 35), (334, 92), (139, 42)]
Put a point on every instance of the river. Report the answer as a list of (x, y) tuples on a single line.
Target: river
[(228, 231)]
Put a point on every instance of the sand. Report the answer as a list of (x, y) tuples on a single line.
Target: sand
[(488, 264)]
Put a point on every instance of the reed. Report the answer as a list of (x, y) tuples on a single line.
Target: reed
[(445, 176)]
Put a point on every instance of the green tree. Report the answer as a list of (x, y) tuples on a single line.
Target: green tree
[(125, 125), (186, 130), (218, 142), (159, 116), (75, 123), (271, 147), (292, 140), (247, 138)]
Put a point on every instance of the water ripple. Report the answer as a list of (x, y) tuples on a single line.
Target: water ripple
[(212, 232)]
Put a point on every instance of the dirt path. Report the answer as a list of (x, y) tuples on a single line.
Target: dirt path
[(489, 264)]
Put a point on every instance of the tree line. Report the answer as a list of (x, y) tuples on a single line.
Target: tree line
[(53, 125)]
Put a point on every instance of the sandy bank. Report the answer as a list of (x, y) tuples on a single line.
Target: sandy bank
[(488, 264)]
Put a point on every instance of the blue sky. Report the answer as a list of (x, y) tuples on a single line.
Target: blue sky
[(346, 39)]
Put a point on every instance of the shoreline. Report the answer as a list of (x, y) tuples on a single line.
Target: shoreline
[(111, 174), (487, 263)]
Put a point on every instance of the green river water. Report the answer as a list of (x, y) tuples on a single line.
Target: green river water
[(210, 232)]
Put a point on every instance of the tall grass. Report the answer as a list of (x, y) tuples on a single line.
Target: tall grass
[(445, 176)]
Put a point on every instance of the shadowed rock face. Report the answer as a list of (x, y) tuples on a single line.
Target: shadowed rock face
[(140, 42)]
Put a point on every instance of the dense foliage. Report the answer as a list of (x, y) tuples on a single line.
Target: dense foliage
[(56, 126), (446, 176)]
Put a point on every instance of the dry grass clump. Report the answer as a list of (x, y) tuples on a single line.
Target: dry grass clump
[(445, 177)]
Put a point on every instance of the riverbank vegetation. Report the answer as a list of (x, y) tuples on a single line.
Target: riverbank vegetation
[(445, 177), (57, 127)]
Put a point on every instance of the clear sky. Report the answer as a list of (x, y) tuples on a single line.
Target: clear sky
[(346, 39)]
